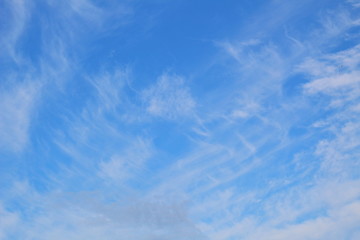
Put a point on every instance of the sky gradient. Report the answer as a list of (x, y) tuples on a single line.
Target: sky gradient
[(180, 120)]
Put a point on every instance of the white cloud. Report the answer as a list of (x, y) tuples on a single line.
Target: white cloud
[(86, 9), (239, 114), (16, 106), (95, 114), (236, 50), (340, 155), (336, 82), (127, 163), (204, 171), (339, 224), (109, 88), (301, 212), (17, 101), (324, 205), (169, 98), (347, 59), (246, 107), (355, 3), (356, 108), (79, 215), (259, 61), (332, 64), (317, 68), (8, 222), (335, 75), (18, 14)]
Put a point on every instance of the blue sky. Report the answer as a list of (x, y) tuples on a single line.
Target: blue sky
[(179, 120)]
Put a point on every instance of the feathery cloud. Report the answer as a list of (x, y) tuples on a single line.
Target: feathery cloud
[(169, 98)]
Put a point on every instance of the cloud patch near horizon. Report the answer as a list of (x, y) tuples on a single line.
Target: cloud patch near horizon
[(84, 215)]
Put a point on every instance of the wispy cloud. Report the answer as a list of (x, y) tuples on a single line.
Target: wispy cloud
[(18, 13), (355, 3), (83, 215), (169, 98), (9, 222), (333, 83), (339, 78), (127, 164), (335, 76), (17, 103)]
